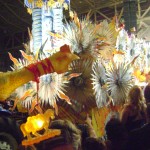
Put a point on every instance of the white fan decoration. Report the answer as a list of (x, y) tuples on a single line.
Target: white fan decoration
[(99, 81), (119, 81)]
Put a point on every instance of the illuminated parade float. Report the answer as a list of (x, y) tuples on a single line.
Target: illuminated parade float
[(71, 68)]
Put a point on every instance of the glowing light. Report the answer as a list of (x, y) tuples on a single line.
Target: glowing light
[(38, 123)]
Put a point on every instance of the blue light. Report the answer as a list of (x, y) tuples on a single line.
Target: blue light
[(67, 1), (29, 5)]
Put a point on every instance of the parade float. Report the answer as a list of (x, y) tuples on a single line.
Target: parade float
[(111, 61)]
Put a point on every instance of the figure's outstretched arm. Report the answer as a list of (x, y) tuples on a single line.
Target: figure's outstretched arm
[(58, 62)]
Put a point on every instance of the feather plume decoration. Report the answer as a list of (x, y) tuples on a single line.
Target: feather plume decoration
[(80, 35), (119, 81), (106, 39), (29, 58), (15, 61), (20, 91), (29, 45), (25, 100), (80, 88), (24, 91), (99, 81)]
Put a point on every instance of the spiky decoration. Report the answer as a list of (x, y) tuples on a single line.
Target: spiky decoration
[(29, 45), (99, 82), (22, 94), (80, 35), (106, 38), (51, 87), (80, 88), (119, 81)]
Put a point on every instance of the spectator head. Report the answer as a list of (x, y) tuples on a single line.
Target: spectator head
[(135, 95), (147, 93), (148, 111), (115, 130), (73, 134), (93, 144)]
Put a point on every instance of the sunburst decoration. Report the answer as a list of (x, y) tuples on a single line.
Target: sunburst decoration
[(119, 81), (51, 87), (80, 35), (99, 82), (80, 88), (106, 38)]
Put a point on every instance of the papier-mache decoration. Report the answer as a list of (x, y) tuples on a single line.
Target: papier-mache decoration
[(58, 62), (80, 88), (38, 123), (91, 42)]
